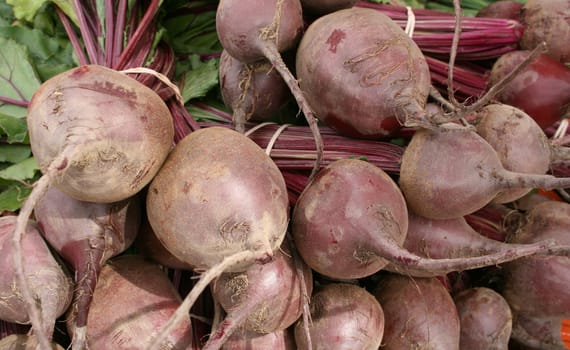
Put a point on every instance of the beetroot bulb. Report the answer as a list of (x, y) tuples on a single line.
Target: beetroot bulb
[(541, 333), (448, 239), (362, 74), (452, 172), (538, 286), (542, 89), (547, 21), (132, 300), (502, 9), (419, 313), (253, 91), (263, 299), (220, 204), (343, 316), (273, 27), (485, 319), (50, 283), (351, 221), (522, 146), (86, 235), (97, 135)]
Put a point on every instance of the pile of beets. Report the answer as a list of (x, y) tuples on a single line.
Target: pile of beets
[(392, 213)]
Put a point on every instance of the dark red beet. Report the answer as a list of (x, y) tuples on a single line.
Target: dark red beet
[(542, 89), (419, 313), (253, 91), (538, 286), (453, 172), (344, 316), (362, 74), (264, 298), (485, 319)]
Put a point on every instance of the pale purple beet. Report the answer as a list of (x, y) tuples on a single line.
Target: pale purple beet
[(97, 135), (272, 27), (362, 74), (447, 239), (351, 221), (467, 178), (263, 299), (132, 300), (541, 333), (253, 91), (547, 21), (343, 316), (538, 286), (86, 235), (485, 319), (219, 204), (279, 340), (502, 9), (50, 283), (419, 313), (521, 144)]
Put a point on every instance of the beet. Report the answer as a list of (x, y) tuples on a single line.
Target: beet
[(542, 89), (538, 286), (253, 91), (544, 333), (485, 319), (522, 146), (132, 300), (362, 74), (547, 21), (419, 313), (219, 204), (343, 316), (97, 135), (263, 299), (86, 235), (502, 9), (453, 172), (77, 123), (277, 26), (351, 221), (49, 282), (448, 239)]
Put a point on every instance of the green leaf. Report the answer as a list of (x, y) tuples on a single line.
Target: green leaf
[(13, 196), (200, 79), (14, 128), (21, 171), (18, 79), (26, 9), (14, 153)]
